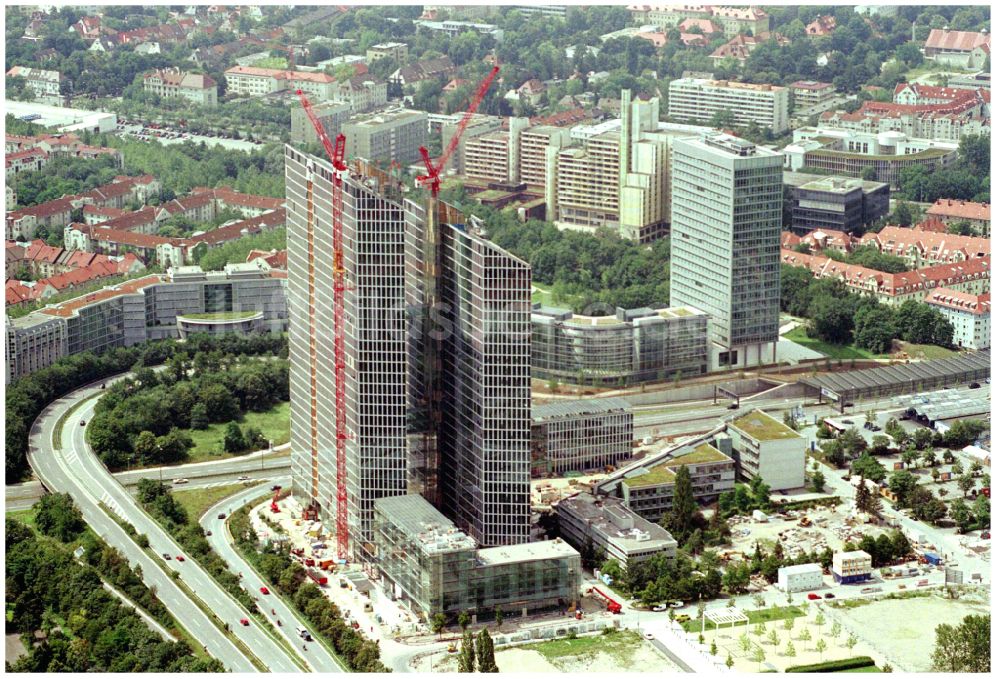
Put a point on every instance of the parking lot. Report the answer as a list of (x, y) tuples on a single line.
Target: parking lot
[(172, 135)]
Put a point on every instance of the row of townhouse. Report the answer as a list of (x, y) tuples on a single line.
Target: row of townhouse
[(971, 276), (20, 293), (917, 246), (22, 224), (42, 260), (162, 250), (172, 82), (24, 154)]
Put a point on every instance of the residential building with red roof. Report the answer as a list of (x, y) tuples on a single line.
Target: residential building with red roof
[(740, 46), (969, 315), (732, 20), (275, 259), (922, 248), (31, 160), (706, 26), (822, 25), (971, 275), (965, 49), (197, 88), (952, 211), (254, 81)]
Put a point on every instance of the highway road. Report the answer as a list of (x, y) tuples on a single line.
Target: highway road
[(316, 656), (54, 467), (200, 474), (74, 468)]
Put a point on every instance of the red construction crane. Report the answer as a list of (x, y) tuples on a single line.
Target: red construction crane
[(433, 176), (335, 151)]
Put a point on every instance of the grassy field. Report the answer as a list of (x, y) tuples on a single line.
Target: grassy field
[(926, 351), (273, 423), (798, 335), (272, 62), (197, 500), (25, 516), (619, 644)]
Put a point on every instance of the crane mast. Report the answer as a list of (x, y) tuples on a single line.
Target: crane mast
[(335, 151)]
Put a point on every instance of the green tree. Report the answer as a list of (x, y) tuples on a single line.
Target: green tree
[(437, 623), (467, 654), (964, 647), (790, 649), (484, 650), (772, 637), (821, 647), (851, 642), (145, 447), (498, 616), (233, 441), (729, 661), (57, 516), (870, 468), (758, 656), (464, 619), (680, 520), (960, 512)]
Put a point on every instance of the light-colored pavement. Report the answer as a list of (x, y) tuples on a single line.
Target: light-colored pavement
[(75, 469), (272, 605)]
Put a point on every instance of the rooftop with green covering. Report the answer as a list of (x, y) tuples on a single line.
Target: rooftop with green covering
[(705, 452), (763, 427), (654, 476)]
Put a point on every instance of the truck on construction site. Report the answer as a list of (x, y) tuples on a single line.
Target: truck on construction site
[(613, 606), (326, 564), (317, 577)]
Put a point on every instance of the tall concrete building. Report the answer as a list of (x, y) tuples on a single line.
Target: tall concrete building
[(440, 409), (699, 99), (725, 244), (331, 114), (470, 426), (375, 345), (394, 135)]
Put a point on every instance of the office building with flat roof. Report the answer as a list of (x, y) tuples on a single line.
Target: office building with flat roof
[(631, 346), (428, 563), (580, 435), (374, 345), (648, 489), (392, 135), (838, 204), (700, 99), (725, 243), (765, 447), (605, 523)]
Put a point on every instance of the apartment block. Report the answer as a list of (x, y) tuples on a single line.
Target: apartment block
[(429, 564), (374, 345), (331, 115), (968, 314), (921, 248), (393, 135), (700, 99), (172, 82), (535, 164), (387, 50), (486, 157), (363, 92), (765, 447), (45, 84), (580, 435), (631, 346), (34, 342), (725, 244), (808, 94), (734, 20), (583, 196), (478, 126), (605, 523), (951, 211), (648, 490), (257, 82)]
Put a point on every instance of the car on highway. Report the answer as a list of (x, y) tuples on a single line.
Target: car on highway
[(677, 604), (221, 516), (733, 406), (166, 557), (242, 478), (813, 596), (649, 636), (659, 608), (180, 557), (275, 488), (83, 423), (244, 622), (828, 595), (178, 482), (264, 590), (208, 534)]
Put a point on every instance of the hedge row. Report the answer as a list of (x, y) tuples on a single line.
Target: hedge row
[(835, 665)]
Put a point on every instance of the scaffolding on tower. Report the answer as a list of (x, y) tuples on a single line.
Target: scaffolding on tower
[(335, 151)]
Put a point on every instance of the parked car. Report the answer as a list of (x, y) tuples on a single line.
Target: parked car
[(813, 596), (733, 406), (974, 385), (178, 482), (659, 608), (649, 636), (683, 617), (985, 535), (677, 604), (828, 595)]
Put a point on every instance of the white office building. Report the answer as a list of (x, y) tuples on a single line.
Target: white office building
[(699, 99), (800, 578)]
